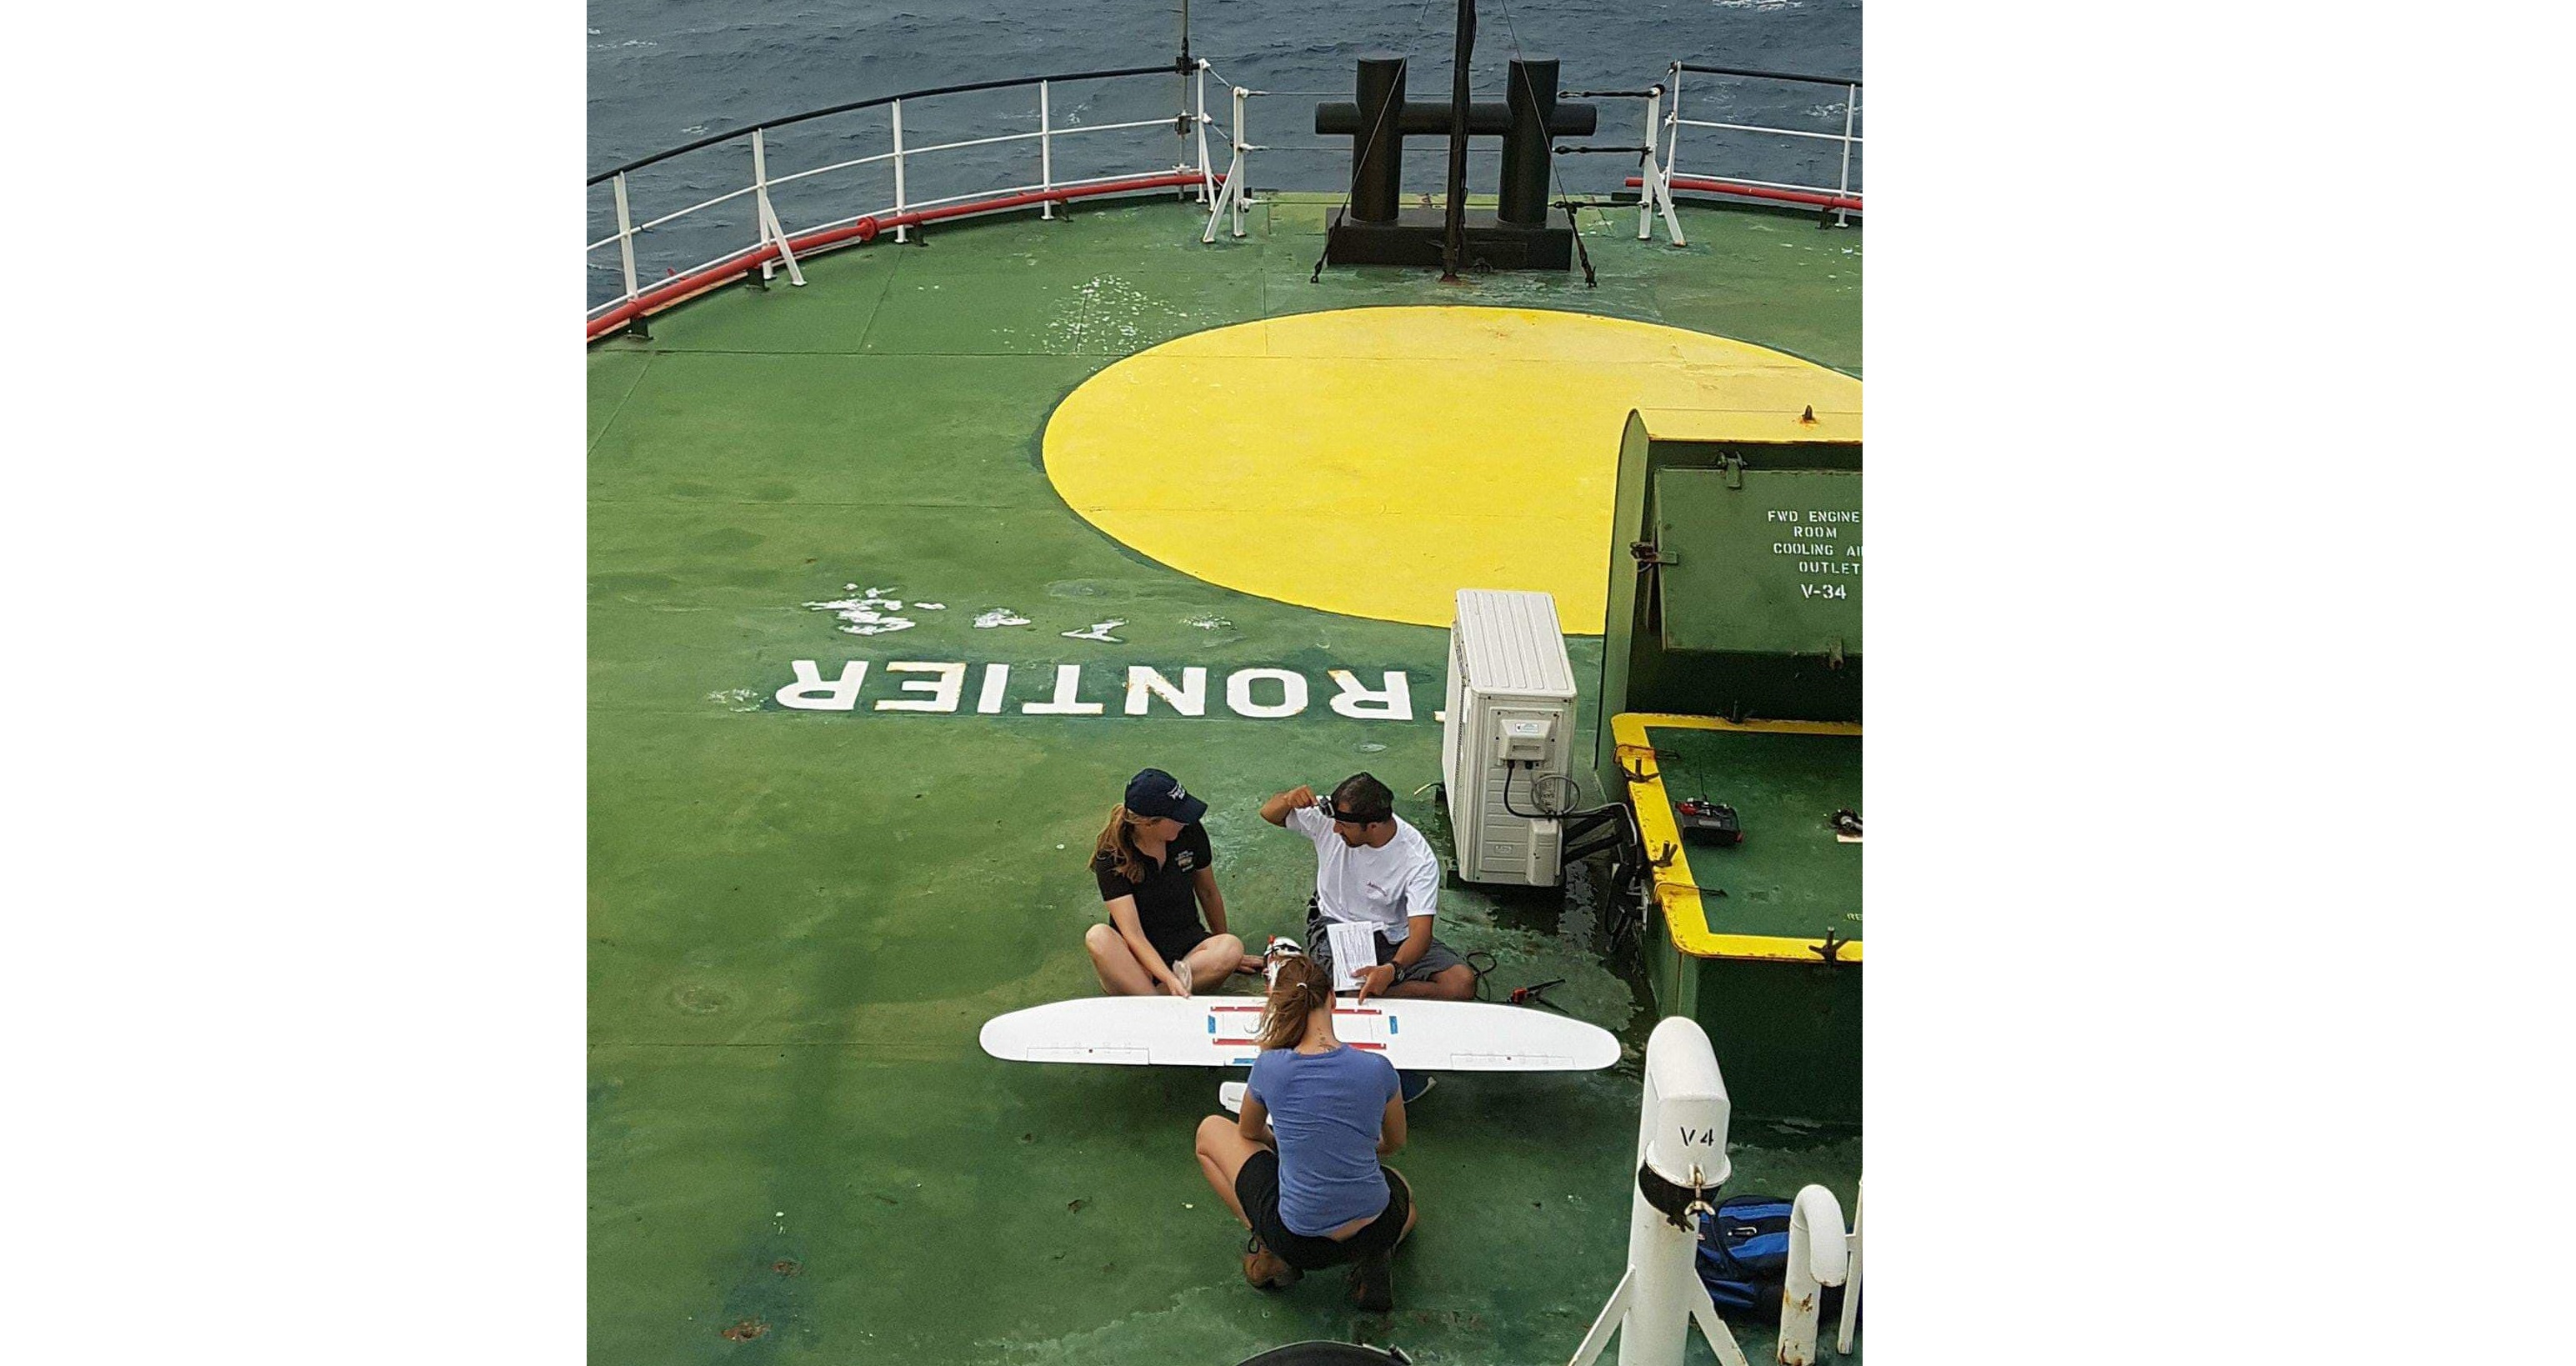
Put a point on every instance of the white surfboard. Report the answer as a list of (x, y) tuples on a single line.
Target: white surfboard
[(1218, 1031)]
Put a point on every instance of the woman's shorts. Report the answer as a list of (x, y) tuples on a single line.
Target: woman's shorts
[(1256, 1187), (1178, 945), (1436, 959)]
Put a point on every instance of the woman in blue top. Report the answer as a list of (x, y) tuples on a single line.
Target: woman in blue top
[(1301, 1168)]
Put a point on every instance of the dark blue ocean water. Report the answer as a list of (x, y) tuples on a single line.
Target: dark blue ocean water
[(666, 72)]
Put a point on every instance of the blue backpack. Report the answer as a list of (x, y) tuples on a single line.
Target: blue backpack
[(1744, 1252)]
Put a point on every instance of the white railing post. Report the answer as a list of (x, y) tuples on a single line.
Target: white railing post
[(1207, 173), (1648, 169), (1046, 152), (1851, 1281), (770, 231), (1655, 182), (1819, 1256), (898, 167), (1237, 191), (1239, 178), (1842, 186), (625, 233), (1673, 121), (1681, 1139)]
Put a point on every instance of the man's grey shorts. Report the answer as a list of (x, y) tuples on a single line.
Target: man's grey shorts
[(1434, 960)]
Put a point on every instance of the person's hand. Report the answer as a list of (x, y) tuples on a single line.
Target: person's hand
[(1176, 985), (1300, 797), (1376, 980)]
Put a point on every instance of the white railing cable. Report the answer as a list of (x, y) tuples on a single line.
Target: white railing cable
[(775, 246), (1844, 137), (1071, 129), (850, 164), (694, 208), (1675, 121)]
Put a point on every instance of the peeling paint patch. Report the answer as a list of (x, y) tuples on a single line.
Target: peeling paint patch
[(1099, 631), (1109, 311), (744, 1330), (870, 613), (1208, 623), (999, 616), (737, 699)]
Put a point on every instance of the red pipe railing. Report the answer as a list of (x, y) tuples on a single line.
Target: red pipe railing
[(680, 289), (1703, 185)]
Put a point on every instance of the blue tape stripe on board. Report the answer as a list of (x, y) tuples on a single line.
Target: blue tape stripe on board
[(1393, 1025), (1244, 1062), (1211, 1024)]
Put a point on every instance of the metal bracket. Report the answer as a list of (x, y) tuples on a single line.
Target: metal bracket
[(1831, 949), (1733, 467), (1672, 1199), (1651, 559)]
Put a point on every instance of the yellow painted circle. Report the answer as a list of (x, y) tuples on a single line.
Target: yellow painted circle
[(1375, 461)]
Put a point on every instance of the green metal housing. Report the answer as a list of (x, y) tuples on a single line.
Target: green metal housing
[(1735, 592)]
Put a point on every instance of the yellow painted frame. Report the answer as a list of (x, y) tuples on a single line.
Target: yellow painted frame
[(1684, 916)]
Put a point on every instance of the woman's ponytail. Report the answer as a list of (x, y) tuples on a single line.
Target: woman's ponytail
[(1301, 987)]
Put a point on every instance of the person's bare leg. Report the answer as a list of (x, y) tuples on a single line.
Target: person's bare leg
[(1412, 1209), (1455, 983), (1120, 973), (1213, 961), (1222, 1152)]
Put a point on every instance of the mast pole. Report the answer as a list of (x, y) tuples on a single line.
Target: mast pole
[(1453, 237), (1182, 65)]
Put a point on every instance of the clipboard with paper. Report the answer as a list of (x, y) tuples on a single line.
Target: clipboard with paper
[(1354, 951)]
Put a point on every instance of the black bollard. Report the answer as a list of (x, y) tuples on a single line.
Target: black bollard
[(1379, 174), (1526, 149)]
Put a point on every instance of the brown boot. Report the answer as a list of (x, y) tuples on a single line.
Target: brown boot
[(1265, 1269), (1373, 1282)]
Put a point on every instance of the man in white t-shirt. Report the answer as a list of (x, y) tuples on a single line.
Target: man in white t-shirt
[(1374, 868)]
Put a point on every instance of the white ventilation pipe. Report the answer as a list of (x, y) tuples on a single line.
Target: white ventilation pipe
[(1681, 1142), (1818, 1256)]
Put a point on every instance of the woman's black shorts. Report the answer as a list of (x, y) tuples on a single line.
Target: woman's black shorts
[(1176, 946), (1257, 1188)]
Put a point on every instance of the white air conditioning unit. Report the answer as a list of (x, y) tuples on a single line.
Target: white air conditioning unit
[(1509, 727)]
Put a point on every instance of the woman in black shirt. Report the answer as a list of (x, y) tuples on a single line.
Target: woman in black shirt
[(1156, 874)]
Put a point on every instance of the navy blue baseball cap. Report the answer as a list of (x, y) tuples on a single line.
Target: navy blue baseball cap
[(1160, 795)]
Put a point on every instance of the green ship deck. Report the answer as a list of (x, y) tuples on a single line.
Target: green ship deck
[(799, 918)]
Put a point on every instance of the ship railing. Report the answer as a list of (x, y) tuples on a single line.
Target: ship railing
[(1660, 177), (775, 247)]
